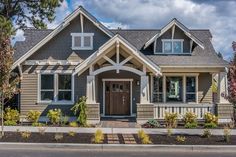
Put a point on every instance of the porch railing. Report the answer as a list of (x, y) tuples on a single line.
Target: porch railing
[(181, 109)]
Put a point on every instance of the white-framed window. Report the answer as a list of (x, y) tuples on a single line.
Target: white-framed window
[(82, 41), (47, 87), (157, 89), (55, 88), (174, 46)]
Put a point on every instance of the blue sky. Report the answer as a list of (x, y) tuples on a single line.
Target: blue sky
[(217, 15)]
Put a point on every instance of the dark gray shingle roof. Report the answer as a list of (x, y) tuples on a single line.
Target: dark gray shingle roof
[(138, 38)]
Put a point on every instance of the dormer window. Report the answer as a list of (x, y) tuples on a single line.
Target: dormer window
[(82, 41), (172, 46)]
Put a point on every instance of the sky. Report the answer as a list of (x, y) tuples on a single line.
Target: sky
[(217, 15)]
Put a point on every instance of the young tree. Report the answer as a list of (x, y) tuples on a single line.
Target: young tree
[(16, 14), (232, 77)]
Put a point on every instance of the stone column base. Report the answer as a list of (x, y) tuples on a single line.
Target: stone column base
[(144, 113), (93, 113), (225, 112)]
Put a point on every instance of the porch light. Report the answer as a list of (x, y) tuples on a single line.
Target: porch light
[(137, 82)]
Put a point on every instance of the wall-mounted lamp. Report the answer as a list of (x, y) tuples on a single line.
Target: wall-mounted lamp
[(137, 83)]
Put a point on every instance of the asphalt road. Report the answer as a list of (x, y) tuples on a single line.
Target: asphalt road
[(88, 153)]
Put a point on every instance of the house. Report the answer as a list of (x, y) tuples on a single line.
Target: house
[(123, 73)]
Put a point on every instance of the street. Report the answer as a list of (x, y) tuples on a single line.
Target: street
[(56, 152)]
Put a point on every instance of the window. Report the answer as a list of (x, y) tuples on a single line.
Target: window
[(82, 41), (47, 88), (190, 89), (55, 88), (157, 89), (174, 89), (64, 87), (172, 46)]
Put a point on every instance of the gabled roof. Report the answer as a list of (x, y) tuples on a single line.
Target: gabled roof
[(64, 24), (174, 22), (95, 56)]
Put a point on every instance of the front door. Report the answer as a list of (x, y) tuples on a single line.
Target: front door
[(117, 98)]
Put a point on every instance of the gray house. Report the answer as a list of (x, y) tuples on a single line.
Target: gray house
[(123, 73)]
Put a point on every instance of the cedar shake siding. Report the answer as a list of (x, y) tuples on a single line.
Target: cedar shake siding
[(204, 88), (59, 48)]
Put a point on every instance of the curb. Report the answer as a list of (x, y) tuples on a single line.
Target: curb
[(119, 147)]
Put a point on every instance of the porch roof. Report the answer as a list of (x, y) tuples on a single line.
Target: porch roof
[(155, 69)]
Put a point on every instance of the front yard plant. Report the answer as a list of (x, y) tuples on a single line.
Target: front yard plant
[(190, 120), (11, 116), (58, 136), (211, 121), (54, 116), (171, 119), (73, 124), (152, 123), (145, 139), (180, 139), (25, 134), (98, 137), (80, 110), (33, 117), (71, 133), (227, 134), (206, 133)]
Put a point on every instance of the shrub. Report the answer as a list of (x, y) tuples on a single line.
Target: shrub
[(145, 139), (11, 116), (73, 124), (171, 119), (33, 117), (37, 124), (153, 123), (98, 136), (169, 132), (190, 120), (42, 130), (25, 134), (180, 139), (211, 120), (80, 110), (64, 120), (227, 133), (58, 136), (206, 133), (54, 116), (210, 125), (71, 133)]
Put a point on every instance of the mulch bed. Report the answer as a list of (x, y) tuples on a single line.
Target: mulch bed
[(87, 138)]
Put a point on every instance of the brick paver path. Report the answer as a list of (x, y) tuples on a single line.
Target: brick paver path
[(129, 139)]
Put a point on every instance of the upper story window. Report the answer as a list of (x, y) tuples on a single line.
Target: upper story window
[(82, 41), (172, 46)]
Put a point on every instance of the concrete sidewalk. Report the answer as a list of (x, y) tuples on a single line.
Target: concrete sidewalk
[(114, 130), (119, 147)]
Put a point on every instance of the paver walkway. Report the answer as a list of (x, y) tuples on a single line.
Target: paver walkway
[(118, 123)]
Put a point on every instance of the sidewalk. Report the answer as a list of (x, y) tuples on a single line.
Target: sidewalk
[(114, 130)]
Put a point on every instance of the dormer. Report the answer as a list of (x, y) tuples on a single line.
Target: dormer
[(174, 39)]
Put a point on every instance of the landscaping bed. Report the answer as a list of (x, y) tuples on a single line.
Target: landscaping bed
[(86, 138)]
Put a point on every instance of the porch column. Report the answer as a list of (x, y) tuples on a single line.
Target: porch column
[(90, 92), (144, 91), (223, 108)]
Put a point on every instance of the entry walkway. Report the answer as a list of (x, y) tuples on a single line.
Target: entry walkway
[(119, 123)]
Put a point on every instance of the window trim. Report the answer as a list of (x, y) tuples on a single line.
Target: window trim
[(82, 35), (172, 44), (56, 90)]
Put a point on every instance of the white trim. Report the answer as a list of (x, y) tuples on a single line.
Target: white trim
[(58, 29), (82, 36), (170, 25), (54, 71), (131, 96), (51, 62)]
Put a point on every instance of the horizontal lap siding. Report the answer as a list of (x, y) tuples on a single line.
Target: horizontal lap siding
[(204, 88)]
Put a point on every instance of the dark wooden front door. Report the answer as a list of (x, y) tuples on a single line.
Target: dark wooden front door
[(117, 98)]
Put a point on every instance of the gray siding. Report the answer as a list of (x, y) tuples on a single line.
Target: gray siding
[(204, 88), (179, 34), (60, 46)]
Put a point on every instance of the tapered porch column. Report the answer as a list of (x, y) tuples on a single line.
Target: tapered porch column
[(90, 92), (223, 109), (144, 91)]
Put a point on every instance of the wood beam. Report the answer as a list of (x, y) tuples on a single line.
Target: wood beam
[(173, 31), (109, 60), (191, 46), (126, 60), (82, 23), (117, 54)]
